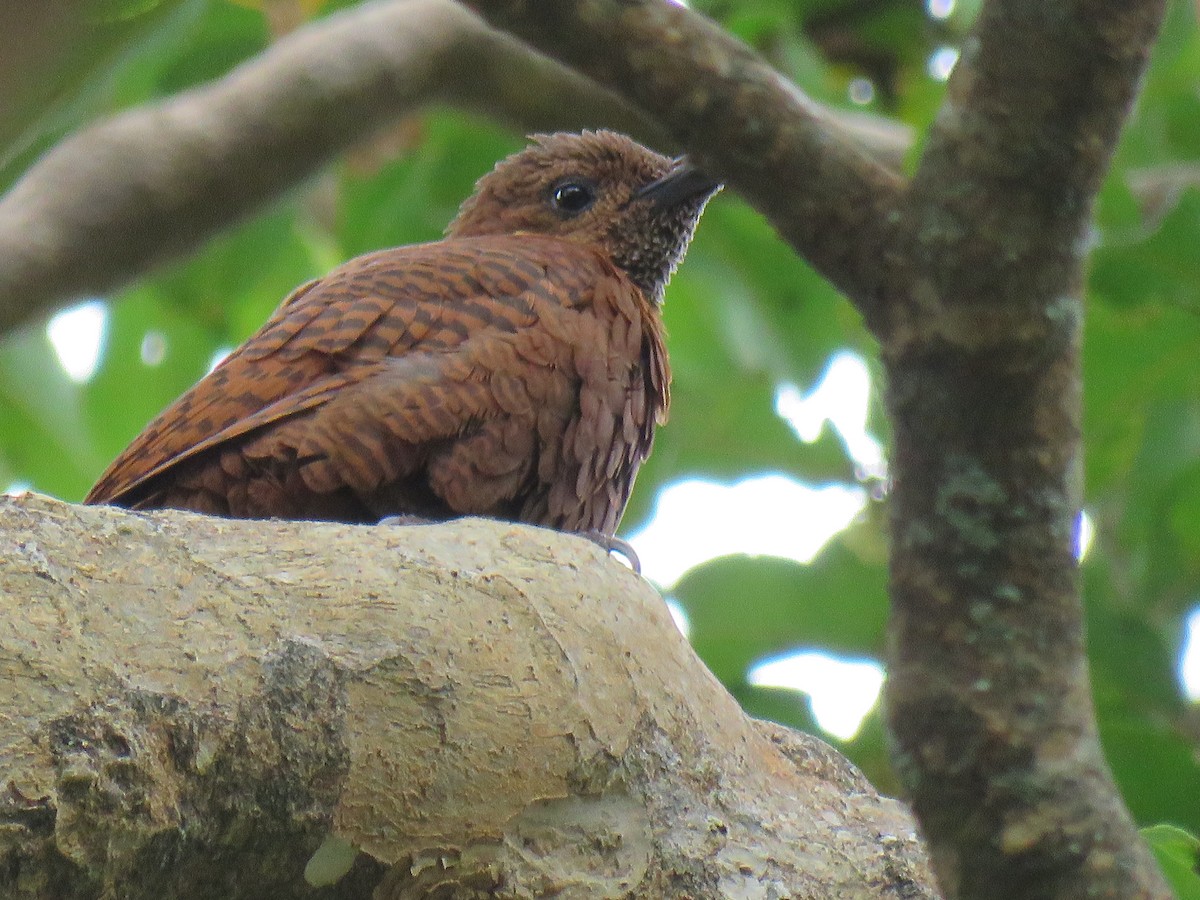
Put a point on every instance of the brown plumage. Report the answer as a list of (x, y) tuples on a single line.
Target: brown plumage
[(515, 369)]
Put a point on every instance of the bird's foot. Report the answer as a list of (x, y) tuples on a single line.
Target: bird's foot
[(613, 544), (404, 519)]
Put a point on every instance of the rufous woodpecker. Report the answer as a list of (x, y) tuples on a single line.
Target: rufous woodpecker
[(515, 369)]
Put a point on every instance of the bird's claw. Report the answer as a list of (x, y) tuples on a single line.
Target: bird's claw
[(610, 543)]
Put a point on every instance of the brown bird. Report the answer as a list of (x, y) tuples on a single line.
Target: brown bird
[(515, 369)]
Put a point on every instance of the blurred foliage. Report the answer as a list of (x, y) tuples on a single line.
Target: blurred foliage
[(60, 63), (743, 316), (1179, 855)]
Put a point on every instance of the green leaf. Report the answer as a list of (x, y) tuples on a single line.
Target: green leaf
[(1155, 767), (43, 435), (1159, 264), (728, 431), (126, 392), (217, 298), (413, 198), (869, 751), (768, 310), (1134, 361), (1178, 853), (787, 707), (1143, 717)]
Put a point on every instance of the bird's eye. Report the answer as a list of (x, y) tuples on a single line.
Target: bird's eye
[(571, 197)]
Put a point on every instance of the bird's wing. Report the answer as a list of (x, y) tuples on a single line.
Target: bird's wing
[(362, 343)]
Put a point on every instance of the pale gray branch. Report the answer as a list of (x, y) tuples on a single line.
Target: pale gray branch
[(442, 710), (129, 192), (119, 197)]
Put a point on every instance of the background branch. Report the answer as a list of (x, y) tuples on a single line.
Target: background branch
[(123, 195), (739, 117), (440, 709), (115, 199)]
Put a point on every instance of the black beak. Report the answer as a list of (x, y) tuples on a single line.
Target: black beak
[(684, 182)]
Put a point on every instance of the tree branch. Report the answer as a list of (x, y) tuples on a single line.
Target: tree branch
[(121, 196), (115, 199), (988, 698), (737, 116), (443, 710)]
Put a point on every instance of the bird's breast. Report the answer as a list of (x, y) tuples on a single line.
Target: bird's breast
[(621, 378)]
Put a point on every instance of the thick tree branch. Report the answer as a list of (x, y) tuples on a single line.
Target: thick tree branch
[(454, 710), (988, 698), (114, 199), (737, 116)]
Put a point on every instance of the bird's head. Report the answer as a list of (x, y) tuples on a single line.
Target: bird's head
[(598, 187)]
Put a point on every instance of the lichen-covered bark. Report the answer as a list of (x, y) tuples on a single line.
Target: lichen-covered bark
[(988, 700), (195, 707)]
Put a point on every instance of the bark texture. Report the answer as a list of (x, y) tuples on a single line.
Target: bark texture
[(197, 707), (989, 704)]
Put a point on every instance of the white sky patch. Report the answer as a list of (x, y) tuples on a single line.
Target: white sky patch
[(1085, 533), (17, 488), (696, 520), (154, 348), (77, 335), (1189, 657), (861, 91), (941, 63), (940, 9), (218, 356), (679, 614), (841, 398), (842, 692)]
